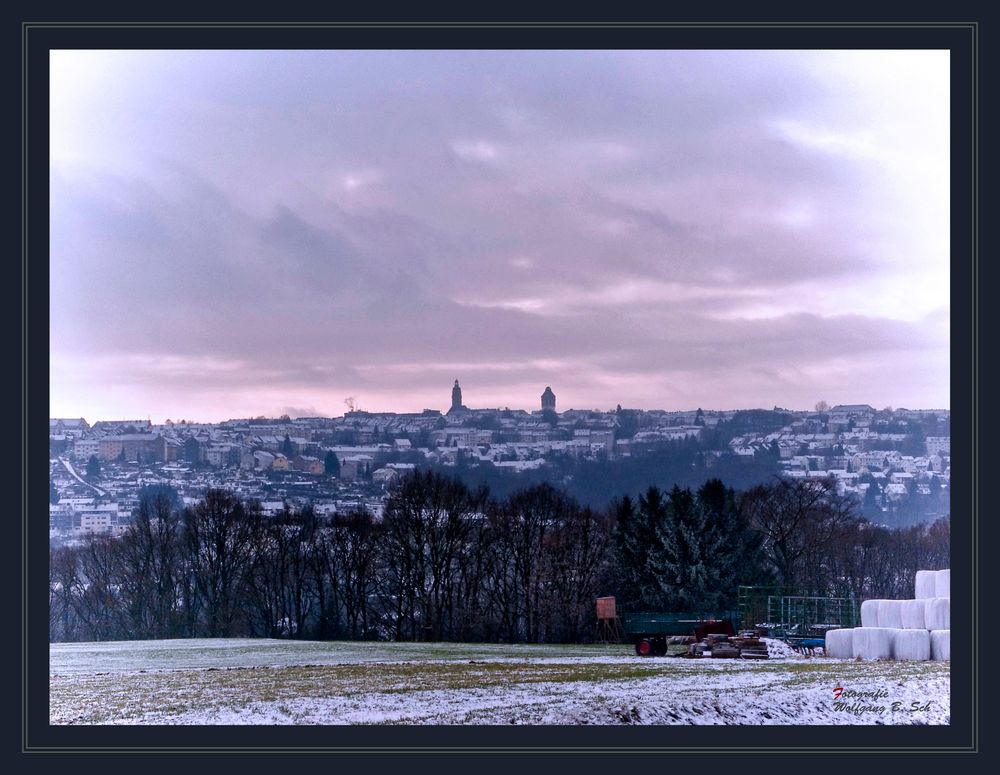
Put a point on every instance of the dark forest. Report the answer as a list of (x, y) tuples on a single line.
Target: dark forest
[(448, 561)]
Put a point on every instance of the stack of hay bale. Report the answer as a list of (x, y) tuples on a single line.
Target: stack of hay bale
[(901, 629)]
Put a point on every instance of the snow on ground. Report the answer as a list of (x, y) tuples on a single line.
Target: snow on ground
[(200, 653), (243, 681)]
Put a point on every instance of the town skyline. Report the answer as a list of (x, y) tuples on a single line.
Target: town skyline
[(445, 408), (342, 462)]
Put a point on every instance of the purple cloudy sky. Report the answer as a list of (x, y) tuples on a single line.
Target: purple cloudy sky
[(260, 232)]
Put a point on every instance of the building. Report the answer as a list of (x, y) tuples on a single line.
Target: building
[(122, 426), (385, 476), (548, 400), (938, 445), (842, 415), (456, 399), (308, 464), (73, 428), (263, 460), (354, 467), (217, 454), (84, 449), (133, 446)]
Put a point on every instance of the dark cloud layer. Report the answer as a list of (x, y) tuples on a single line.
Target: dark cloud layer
[(244, 232)]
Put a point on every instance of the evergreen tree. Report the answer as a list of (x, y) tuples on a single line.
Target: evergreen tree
[(934, 485), (689, 562), (740, 549), (634, 539), (150, 492), (871, 504), (331, 465), (286, 448), (915, 443), (93, 468), (622, 573)]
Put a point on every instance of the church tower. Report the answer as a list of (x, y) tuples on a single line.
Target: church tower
[(456, 397), (548, 400)]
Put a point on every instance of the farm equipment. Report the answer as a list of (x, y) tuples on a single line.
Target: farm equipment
[(797, 616), (652, 633)]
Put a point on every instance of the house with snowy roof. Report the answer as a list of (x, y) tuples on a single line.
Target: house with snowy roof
[(308, 464), (352, 466), (73, 428)]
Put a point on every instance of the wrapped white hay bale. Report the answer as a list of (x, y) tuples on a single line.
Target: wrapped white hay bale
[(869, 613), (942, 583), (926, 583), (872, 642), (913, 614), (839, 644), (937, 613), (890, 614), (941, 645), (911, 644)]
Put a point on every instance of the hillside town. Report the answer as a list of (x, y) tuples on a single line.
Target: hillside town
[(335, 465)]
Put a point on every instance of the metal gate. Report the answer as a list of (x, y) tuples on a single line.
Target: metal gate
[(787, 612)]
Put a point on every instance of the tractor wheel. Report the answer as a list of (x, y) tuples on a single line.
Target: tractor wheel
[(643, 647)]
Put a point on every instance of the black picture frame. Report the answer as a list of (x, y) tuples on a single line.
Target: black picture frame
[(364, 744)]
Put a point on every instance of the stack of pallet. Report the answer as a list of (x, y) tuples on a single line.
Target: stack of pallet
[(750, 646), (720, 646), (901, 629)]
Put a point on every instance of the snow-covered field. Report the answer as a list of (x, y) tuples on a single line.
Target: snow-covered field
[(242, 681)]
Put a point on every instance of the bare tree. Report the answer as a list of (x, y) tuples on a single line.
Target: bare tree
[(65, 590), (220, 537), (149, 552), (500, 585), (98, 604), (532, 515), (355, 545), (427, 523), (575, 554), (797, 521)]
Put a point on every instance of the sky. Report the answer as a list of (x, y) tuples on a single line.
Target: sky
[(244, 233)]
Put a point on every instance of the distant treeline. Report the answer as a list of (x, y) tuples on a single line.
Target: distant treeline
[(687, 462), (450, 562), (593, 482)]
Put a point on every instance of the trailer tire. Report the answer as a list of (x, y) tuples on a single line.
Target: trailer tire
[(643, 647)]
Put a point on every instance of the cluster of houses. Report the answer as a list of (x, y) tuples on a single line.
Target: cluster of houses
[(848, 445), (342, 462)]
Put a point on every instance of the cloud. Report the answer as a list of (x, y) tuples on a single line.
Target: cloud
[(475, 150), (282, 228)]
